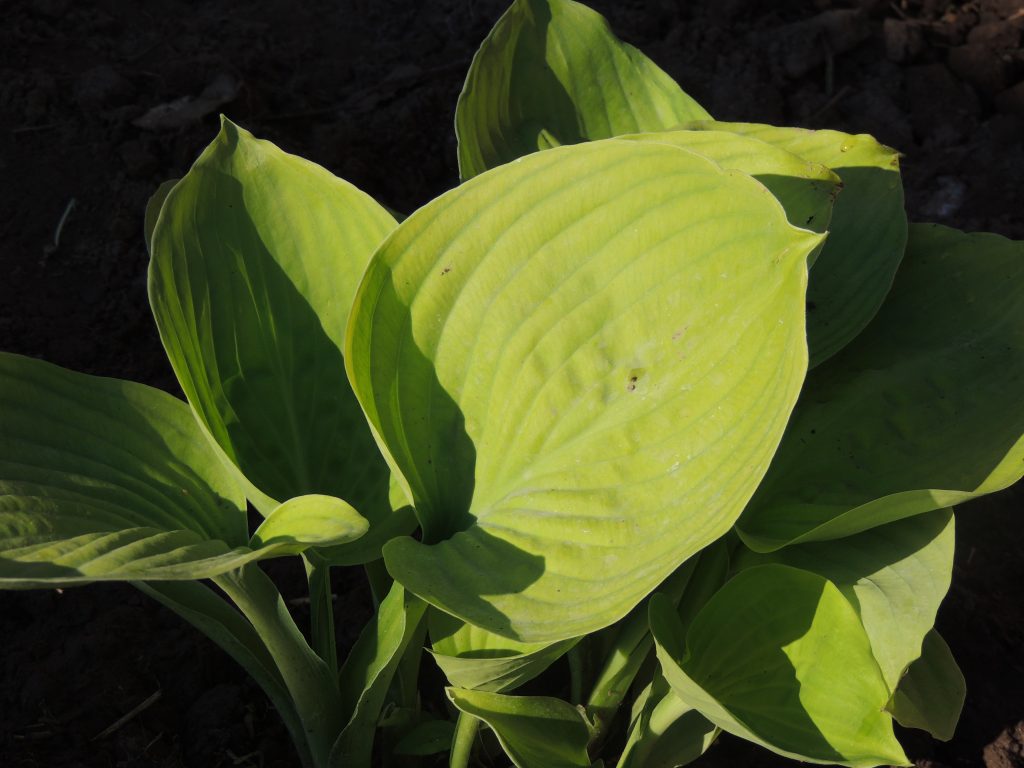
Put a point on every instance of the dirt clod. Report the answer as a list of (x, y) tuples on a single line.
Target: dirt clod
[(1007, 751)]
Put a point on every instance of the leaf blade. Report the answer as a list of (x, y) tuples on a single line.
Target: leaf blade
[(313, 520), (534, 731), (895, 575), (868, 230), (256, 255), (550, 73), (932, 694), (921, 412), (105, 479), (763, 660), (490, 352)]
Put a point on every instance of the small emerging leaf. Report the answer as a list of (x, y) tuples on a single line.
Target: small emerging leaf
[(309, 521), (550, 73)]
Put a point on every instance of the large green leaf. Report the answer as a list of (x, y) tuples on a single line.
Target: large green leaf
[(868, 229), (931, 695), (534, 731), (779, 657), (474, 658), (806, 189), (923, 411), (104, 479), (552, 72), (255, 257), (579, 364), (895, 575)]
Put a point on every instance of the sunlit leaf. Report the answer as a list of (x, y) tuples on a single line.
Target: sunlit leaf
[(255, 257), (309, 521), (579, 365), (807, 190), (779, 657), (895, 575)]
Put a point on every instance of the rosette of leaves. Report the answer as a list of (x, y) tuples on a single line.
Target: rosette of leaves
[(642, 414)]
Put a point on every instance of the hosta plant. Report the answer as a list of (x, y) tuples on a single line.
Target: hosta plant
[(663, 416)]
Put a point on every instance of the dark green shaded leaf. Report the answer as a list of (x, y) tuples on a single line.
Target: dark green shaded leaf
[(922, 411), (931, 695)]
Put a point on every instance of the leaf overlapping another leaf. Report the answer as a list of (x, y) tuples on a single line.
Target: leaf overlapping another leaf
[(779, 657), (895, 575), (534, 731), (579, 365), (868, 230)]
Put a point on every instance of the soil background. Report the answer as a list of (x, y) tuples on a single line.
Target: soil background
[(368, 89)]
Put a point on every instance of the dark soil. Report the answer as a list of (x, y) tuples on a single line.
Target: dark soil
[(368, 90)]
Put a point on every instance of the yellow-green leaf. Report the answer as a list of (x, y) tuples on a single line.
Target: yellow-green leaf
[(255, 257), (779, 657), (579, 365)]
